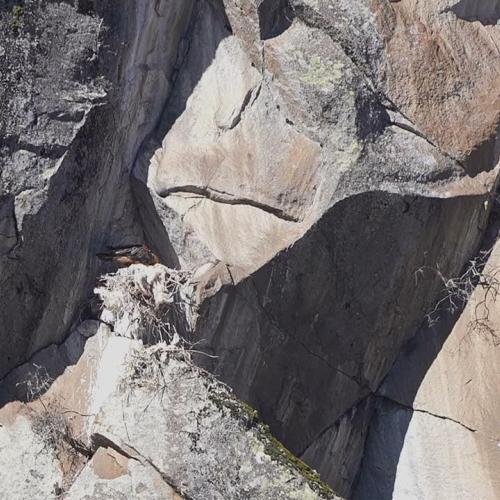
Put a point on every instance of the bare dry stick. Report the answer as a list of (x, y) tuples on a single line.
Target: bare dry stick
[(458, 291)]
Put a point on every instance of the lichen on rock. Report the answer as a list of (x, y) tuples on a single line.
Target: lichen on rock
[(294, 164)]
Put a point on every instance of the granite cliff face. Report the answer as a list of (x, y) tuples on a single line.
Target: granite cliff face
[(313, 164)]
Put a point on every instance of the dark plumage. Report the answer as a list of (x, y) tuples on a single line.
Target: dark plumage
[(131, 254)]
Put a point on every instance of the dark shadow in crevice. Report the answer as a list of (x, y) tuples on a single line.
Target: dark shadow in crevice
[(393, 414), (378, 470), (372, 117), (275, 17), (8, 224), (85, 6), (352, 427), (208, 26), (155, 233), (31, 380), (487, 12), (316, 328), (485, 156)]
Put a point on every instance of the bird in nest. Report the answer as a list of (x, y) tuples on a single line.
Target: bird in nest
[(125, 256)]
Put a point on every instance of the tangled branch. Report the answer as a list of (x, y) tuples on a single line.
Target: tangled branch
[(457, 292), (148, 303), (36, 383)]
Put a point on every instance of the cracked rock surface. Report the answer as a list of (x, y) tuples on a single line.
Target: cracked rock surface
[(310, 164), (80, 85), (135, 422), (438, 398), (111, 475)]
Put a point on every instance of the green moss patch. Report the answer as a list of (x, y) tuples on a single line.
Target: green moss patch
[(272, 447), (17, 18)]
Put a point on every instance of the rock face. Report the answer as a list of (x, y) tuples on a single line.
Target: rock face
[(29, 468), (82, 86), (436, 86), (305, 368), (305, 163), (247, 170), (213, 449), (318, 180), (126, 419), (110, 475), (436, 407)]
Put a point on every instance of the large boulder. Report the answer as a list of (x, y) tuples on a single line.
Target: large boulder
[(103, 413), (110, 475), (305, 160), (312, 178)]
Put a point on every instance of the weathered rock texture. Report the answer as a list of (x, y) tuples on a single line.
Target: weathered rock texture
[(212, 448), (111, 475), (304, 159), (256, 151), (141, 422), (29, 468), (437, 406), (319, 171), (434, 53), (82, 85)]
